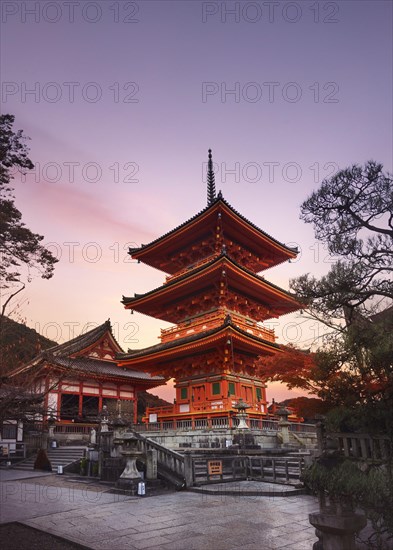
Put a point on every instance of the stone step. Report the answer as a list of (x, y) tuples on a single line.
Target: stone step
[(60, 456)]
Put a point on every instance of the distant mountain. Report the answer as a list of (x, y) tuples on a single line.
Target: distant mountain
[(145, 400), (19, 344)]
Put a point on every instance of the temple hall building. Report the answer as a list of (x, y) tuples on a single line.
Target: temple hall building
[(79, 377)]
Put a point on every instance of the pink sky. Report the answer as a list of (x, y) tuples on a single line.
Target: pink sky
[(303, 93)]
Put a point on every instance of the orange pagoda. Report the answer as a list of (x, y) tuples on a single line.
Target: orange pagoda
[(217, 303)]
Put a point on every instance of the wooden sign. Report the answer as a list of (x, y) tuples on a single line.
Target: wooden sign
[(214, 467)]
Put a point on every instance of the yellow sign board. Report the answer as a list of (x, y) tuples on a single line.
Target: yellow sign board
[(214, 467)]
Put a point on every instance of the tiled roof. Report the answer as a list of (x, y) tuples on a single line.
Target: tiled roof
[(104, 368), (189, 339), (60, 355), (127, 299), (83, 341), (221, 199)]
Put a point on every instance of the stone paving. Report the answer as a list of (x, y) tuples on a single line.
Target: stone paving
[(88, 514)]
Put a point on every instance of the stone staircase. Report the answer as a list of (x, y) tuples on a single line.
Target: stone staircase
[(62, 456)]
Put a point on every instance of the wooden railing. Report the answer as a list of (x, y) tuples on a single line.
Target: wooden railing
[(206, 469), (198, 324), (191, 267), (77, 428), (227, 468), (363, 446), (262, 424), (221, 405), (226, 422), (302, 428), (207, 424), (186, 425), (276, 469), (211, 320)]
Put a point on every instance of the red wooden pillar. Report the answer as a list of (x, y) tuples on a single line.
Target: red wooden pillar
[(80, 404), (135, 407), (100, 398)]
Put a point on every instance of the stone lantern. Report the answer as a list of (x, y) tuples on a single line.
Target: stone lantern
[(283, 424), (104, 419), (130, 477), (241, 407)]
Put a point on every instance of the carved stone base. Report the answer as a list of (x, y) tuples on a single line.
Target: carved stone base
[(130, 485), (337, 531)]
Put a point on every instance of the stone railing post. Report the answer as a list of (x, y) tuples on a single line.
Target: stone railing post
[(188, 473), (151, 464)]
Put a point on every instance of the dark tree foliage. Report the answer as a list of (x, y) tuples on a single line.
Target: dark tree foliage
[(352, 214), (21, 252)]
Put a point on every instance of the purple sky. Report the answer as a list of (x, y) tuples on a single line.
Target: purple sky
[(284, 94)]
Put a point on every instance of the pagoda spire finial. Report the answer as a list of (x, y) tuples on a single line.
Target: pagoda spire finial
[(211, 185)]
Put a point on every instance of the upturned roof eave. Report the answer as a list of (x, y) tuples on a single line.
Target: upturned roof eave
[(190, 275), (140, 251), (194, 339), (85, 341)]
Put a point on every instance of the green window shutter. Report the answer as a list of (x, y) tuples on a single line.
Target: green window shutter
[(216, 389), (183, 393), (259, 394), (231, 388)]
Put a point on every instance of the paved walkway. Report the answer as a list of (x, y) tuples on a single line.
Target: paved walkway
[(88, 514)]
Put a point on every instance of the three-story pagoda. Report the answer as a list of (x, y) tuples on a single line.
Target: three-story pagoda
[(217, 302)]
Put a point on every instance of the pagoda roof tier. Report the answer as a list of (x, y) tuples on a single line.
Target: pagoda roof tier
[(162, 252), (159, 359), (161, 302)]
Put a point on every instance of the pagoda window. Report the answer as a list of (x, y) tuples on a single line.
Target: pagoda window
[(184, 393), (247, 394), (231, 388), (216, 388), (69, 406), (89, 406), (258, 392)]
